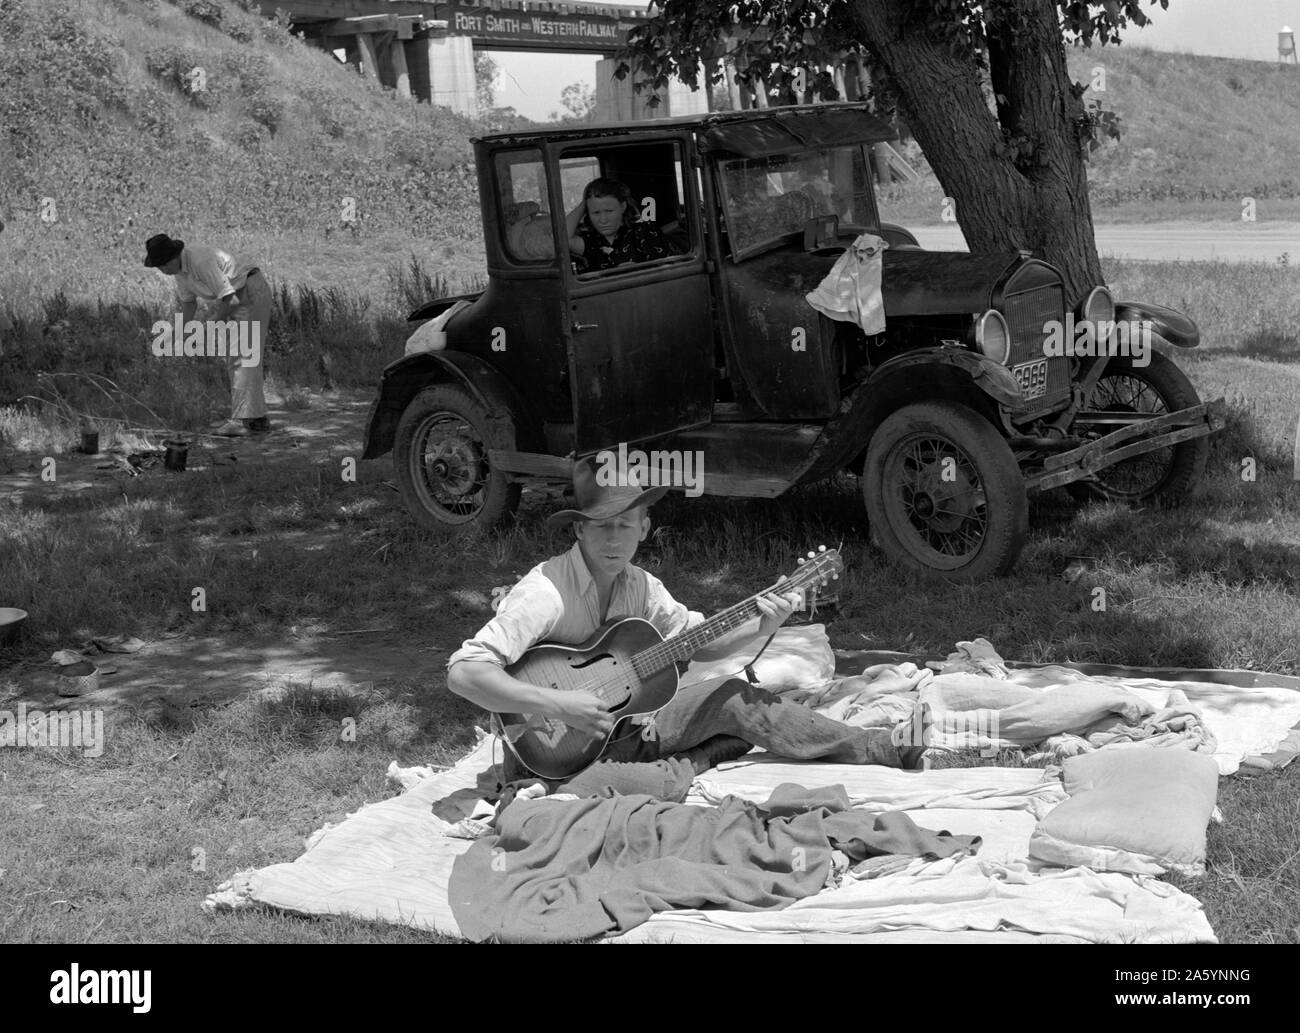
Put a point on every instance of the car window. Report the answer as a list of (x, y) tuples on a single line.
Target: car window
[(658, 228), (575, 174), (522, 199), (767, 199)]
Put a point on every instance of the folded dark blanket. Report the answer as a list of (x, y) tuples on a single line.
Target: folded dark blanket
[(570, 870)]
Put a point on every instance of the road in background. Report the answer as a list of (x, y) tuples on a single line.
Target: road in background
[(1165, 241)]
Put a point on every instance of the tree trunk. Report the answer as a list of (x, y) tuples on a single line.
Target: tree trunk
[(1005, 201)]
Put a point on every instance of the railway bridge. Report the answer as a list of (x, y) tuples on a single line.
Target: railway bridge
[(425, 50)]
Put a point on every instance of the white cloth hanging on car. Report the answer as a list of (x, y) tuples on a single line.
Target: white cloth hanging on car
[(430, 336), (850, 292)]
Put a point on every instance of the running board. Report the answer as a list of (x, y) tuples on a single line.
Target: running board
[(749, 460)]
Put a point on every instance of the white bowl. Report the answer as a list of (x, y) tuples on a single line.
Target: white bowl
[(11, 620)]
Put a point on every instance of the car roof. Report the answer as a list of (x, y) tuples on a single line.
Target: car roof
[(753, 133)]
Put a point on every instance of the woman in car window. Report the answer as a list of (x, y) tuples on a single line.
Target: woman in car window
[(604, 231)]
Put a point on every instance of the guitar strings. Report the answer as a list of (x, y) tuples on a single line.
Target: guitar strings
[(730, 618), (660, 650)]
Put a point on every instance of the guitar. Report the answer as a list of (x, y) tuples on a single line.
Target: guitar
[(631, 667)]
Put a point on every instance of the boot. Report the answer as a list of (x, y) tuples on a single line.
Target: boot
[(718, 750)]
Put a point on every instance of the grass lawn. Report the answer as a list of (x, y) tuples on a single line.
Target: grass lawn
[(124, 846)]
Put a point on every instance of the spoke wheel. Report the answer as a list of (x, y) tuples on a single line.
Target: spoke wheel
[(441, 461), (1164, 476), (944, 493)]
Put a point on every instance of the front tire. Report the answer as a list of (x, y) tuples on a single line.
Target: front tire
[(440, 456), (1166, 476), (944, 493)]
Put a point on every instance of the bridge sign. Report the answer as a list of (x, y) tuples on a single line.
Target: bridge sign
[(539, 26)]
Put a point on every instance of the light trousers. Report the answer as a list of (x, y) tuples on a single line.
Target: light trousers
[(247, 400)]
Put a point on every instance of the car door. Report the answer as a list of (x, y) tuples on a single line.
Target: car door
[(640, 337)]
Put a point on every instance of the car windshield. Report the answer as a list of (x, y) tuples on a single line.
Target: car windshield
[(767, 199)]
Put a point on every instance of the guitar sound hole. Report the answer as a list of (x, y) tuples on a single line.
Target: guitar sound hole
[(624, 701), (588, 663)]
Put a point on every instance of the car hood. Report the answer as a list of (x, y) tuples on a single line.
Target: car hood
[(913, 282), (922, 283)]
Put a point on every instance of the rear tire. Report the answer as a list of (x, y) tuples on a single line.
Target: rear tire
[(440, 458), (944, 493), (1167, 475)]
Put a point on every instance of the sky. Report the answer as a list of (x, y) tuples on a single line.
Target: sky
[(531, 83)]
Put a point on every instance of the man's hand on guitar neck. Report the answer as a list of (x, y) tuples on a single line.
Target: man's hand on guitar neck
[(775, 609)]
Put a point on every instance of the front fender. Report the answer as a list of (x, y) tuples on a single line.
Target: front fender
[(950, 374), (993, 378), (1168, 324), (434, 308), (404, 379)]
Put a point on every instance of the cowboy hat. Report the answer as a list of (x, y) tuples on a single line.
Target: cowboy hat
[(161, 249), (596, 501)]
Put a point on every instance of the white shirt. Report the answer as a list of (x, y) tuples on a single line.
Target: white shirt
[(557, 601), (210, 274)]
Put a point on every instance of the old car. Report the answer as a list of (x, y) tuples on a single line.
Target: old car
[(949, 417)]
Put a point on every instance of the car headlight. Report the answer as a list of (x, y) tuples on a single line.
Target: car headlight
[(992, 337), (1099, 306)]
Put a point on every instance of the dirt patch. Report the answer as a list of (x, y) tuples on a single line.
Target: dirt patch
[(204, 672), (186, 671), (334, 427)]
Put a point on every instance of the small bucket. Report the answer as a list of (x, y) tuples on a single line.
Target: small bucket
[(176, 454), (78, 684), (90, 442)]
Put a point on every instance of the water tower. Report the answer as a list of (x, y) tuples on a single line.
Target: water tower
[(1286, 45)]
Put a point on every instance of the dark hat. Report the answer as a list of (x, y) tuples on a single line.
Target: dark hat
[(161, 249), (596, 501)]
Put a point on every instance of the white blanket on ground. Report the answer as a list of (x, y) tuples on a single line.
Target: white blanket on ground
[(1245, 721), (971, 895), (391, 862), (1030, 705), (1033, 790)]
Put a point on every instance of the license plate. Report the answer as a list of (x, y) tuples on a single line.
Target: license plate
[(1032, 378)]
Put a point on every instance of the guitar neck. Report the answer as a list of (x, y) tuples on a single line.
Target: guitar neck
[(680, 648)]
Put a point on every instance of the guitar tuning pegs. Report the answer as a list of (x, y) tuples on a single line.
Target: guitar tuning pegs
[(811, 555), (800, 561), (822, 549)]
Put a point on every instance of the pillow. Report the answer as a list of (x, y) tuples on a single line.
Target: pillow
[(797, 658), (964, 690), (528, 231), (1138, 809)]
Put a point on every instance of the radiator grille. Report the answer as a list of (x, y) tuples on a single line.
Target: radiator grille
[(1026, 313)]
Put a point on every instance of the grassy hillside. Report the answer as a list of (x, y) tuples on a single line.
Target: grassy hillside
[(1197, 134), (101, 114), (1195, 128)]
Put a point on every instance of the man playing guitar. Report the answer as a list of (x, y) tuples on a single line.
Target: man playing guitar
[(568, 597)]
